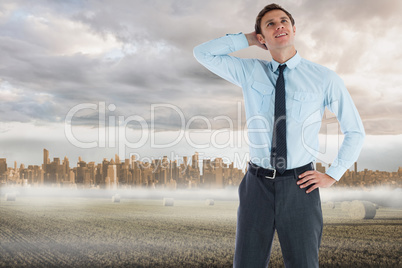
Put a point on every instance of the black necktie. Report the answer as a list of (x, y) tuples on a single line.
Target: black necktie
[(278, 149)]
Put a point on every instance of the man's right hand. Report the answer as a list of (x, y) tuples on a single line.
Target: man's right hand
[(253, 41)]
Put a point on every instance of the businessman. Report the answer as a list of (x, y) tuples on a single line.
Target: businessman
[(284, 102)]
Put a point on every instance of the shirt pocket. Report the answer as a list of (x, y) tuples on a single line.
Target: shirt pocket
[(306, 105), (263, 96)]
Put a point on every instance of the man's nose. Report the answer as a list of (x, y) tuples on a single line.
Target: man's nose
[(280, 26)]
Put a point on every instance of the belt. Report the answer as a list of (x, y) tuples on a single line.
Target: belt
[(270, 173)]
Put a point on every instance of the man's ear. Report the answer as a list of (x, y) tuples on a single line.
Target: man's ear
[(294, 29), (260, 39)]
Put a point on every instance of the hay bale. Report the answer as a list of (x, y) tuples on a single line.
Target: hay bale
[(10, 197), (362, 210), (329, 204), (116, 198), (168, 201), (345, 205), (209, 202)]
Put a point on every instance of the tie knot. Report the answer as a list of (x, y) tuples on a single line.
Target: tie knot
[(281, 68)]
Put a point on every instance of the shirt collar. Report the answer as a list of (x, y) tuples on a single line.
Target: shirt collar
[(291, 63)]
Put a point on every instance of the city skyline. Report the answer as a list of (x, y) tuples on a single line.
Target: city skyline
[(115, 173), (178, 173)]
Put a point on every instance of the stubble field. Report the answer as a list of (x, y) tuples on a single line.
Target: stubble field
[(94, 232)]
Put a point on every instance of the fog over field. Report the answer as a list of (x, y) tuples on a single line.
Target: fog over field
[(383, 196)]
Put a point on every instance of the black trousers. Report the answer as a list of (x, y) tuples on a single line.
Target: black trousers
[(277, 204)]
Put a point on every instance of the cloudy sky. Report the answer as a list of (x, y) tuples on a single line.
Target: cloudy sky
[(118, 58)]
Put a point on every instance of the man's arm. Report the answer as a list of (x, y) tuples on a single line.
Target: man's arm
[(339, 101), (214, 56), (341, 104)]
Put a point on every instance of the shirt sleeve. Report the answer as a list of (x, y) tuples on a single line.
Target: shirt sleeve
[(214, 56), (339, 101)]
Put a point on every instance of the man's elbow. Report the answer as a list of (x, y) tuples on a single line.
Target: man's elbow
[(197, 52), (362, 134), (201, 55), (356, 137), (359, 132), (359, 138)]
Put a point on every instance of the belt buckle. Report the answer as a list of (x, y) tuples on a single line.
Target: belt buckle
[(273, 177)]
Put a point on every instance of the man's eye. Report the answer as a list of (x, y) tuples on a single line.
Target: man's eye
[(284, 20), (270, 24)]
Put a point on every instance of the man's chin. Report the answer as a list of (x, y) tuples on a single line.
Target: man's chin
[(280, 46)]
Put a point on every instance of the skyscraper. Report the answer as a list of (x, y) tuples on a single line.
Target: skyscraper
[(112, 175), (46, 160), (195, 161), (319, 167), (218, 168), (3, 167)]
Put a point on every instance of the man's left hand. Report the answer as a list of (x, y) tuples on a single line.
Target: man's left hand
[(314, 177)]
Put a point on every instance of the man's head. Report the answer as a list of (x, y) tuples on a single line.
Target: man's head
[(275, 27), (266, 9)]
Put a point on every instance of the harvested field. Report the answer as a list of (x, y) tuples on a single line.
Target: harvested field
[(80, 232)]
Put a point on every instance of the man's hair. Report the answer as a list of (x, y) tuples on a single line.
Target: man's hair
[(267, 9)]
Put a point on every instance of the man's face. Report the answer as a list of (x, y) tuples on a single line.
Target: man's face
[(276, 30)]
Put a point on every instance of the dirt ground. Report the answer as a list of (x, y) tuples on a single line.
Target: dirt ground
[(80, 232)]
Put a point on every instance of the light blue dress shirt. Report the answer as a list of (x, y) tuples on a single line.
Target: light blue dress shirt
[(310, 88)]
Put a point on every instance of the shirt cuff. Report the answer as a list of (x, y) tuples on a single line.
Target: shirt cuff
[(239, 40), (336, 172)]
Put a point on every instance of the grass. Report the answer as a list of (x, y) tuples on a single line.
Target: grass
[(79, 232)]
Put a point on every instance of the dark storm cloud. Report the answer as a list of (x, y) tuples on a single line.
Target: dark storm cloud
[(46, 47)]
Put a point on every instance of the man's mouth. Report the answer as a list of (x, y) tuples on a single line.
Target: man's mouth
[(280, 35)]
